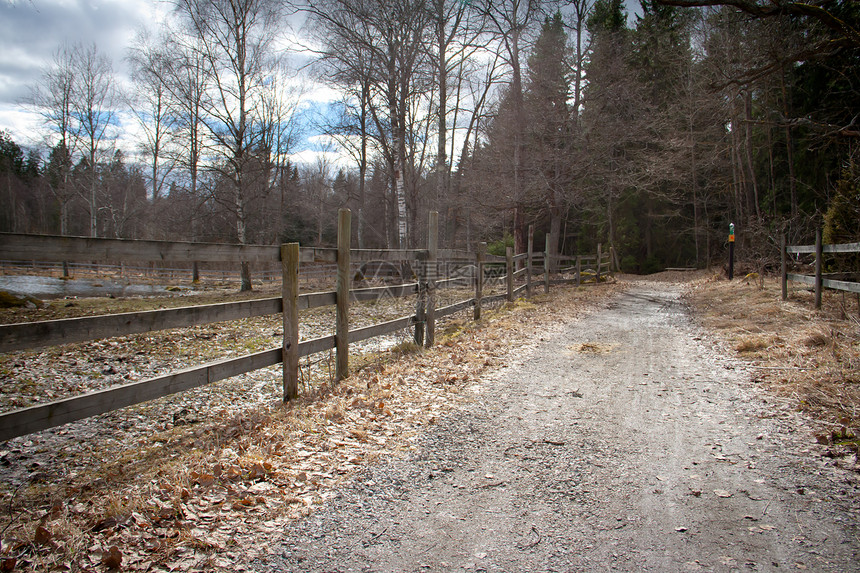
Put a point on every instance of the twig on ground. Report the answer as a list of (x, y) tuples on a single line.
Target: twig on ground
[(536, 542)]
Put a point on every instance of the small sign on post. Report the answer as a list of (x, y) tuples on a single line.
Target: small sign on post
[(731, 251)]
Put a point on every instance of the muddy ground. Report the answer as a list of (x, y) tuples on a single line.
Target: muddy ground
[(624, 440)]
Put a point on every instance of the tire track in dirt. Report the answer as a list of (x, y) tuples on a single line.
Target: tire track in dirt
[(622, 442)]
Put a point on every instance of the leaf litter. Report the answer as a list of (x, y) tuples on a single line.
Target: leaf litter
[(193, 481)]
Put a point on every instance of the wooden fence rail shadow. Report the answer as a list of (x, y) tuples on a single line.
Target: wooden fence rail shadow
[(434, 269)]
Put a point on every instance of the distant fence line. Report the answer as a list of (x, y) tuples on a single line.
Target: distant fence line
[(434, 269), (818, 281), (267, 274)]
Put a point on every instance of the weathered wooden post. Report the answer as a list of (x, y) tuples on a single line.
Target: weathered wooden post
[(341, 336), (432, 261), (290, 294), (783, 255), (819, 252), (509, 277), (529, 261), (578, 270), (421, 302), (613, 262), (546, 267), (599, 263), (479, 278)]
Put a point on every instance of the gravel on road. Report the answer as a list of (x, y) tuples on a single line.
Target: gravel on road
[(623, 440)]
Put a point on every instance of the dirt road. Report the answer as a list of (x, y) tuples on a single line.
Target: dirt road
[(623, 441)]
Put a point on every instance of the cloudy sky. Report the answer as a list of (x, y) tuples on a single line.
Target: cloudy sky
[(31, 31)]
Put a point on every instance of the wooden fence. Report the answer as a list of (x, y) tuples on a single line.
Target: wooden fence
[(427, 263), (818, 281)]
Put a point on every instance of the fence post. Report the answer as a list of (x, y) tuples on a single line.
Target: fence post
[(546, 267), (432, 261), (599, 262), (290, 293), (421, 303), (819, 252), (509, 267), (613, 262), (341, 336), (479, 278), (783, 255), (578, 270), (529, 261)]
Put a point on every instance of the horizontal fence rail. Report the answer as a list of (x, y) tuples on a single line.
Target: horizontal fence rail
[(826, 249), (52, 248), (833, 284), (818, 281), (432, 267)]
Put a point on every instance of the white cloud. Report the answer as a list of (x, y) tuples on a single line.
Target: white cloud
[(25, 126), (311, 158), (31, 31)]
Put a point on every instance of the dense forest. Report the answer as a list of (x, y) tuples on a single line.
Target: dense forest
[(649, 133)]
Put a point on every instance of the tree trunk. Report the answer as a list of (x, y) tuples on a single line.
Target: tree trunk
[(362, 162), (520, 230), (749, 152), (441, 153), (245, 277), (555, 215), (397, 150), (695, 188), (789, 149), (241, 234)]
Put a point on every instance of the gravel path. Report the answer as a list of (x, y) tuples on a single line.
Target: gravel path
[(624, 441)]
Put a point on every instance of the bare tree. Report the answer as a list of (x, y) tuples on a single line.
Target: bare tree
[(401, 28), (346, 62), (236, 39), (76, 96), (150, 103), (93, 104), (52, 98), (380, 48), (457, 34), (472, 94), (279, 130), (579, 17), (512, 21)]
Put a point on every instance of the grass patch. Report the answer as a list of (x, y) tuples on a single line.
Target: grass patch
[(753, 344), (406, 347), (9, 300), (807, 356)]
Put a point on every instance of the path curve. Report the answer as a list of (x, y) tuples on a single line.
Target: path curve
[(622, 442)]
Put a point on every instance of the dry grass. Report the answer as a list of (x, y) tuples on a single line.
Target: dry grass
[(810, 357), (203, 497)]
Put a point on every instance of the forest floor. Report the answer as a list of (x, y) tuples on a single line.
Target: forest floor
[(645, 425)]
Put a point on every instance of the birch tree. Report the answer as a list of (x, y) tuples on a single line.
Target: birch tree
[(236, 40), (93, 104)]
